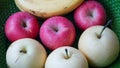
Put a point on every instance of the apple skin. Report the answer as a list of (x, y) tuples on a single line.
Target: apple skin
[(56, 32), (100, 52), (34, 57), (90, 13), (56, 59), (21, 25)]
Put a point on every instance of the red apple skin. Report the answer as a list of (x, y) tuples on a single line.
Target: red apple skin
[(90, 13), (56, 32), (21, 25)]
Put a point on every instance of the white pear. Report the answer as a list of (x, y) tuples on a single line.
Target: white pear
[(100, 50), (26, 53), (66, 57)]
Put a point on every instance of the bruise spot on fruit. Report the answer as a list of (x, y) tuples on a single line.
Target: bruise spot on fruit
[(65, 7), (43, 14), (38, 13), (33, 11)]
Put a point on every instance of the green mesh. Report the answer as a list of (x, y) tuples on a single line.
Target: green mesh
[(7, 7)]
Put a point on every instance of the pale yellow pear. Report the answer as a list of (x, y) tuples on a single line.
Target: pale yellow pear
[(99, 50)]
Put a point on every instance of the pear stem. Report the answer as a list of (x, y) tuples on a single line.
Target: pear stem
[(23, 51), (67, 56), (104, 28)]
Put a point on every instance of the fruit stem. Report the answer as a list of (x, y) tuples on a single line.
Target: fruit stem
[(67, 56), (104, 28), (23, 51)]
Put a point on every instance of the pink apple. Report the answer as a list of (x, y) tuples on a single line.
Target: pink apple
[(21, 25), (56, 32), (90, 13)]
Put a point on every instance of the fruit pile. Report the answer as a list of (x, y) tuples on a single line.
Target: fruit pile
[(98, 45)]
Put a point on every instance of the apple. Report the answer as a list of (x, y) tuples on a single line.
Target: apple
[(21, 25), (90, 13), (101, 47), (66, 57), (26, 53), (56, 32)]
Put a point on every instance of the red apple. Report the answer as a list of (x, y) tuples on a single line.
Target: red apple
[(90, 13), (21, 25), (56, 32)]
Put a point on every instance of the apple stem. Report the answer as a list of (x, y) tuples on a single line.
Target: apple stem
[(104, 28), (67, 56)]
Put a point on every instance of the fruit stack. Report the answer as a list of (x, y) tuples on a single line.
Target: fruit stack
[(98, 45)]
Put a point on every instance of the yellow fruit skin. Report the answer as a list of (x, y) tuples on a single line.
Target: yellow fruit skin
[(46, 8)]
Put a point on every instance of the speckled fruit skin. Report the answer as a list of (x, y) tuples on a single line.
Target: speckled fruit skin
[(57, 31), (99, 51)]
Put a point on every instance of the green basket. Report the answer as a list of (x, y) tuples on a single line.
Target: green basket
[(7, 7)]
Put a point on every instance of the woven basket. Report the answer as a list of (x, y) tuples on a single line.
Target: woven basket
[(7, 7)]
